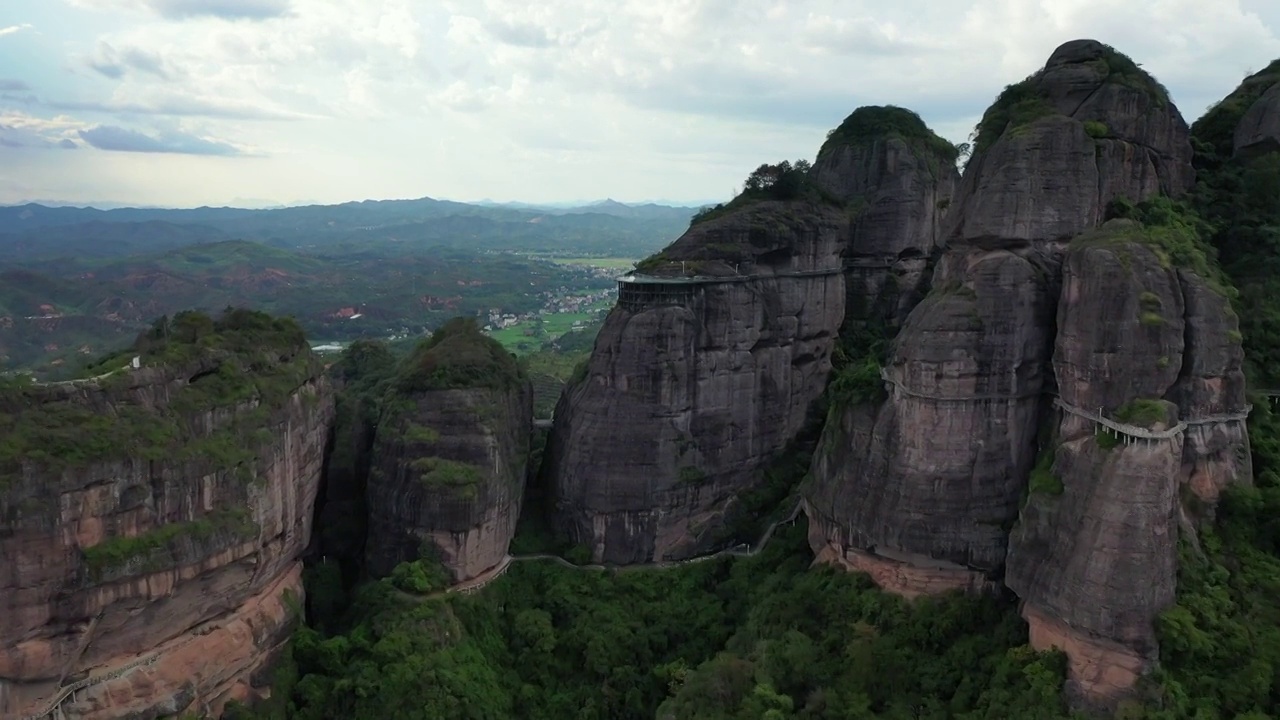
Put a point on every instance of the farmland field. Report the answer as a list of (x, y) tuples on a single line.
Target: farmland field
[(601, 262)]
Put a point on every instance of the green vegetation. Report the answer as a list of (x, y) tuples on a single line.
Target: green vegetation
[(689, 475), (784, 181), (243, 358), (1105, 438), (443, 474), (855, 367), (162, 546), (1017, 105), (1144, 412), (873, 123), (1174, 230), (1122, 70), (1022, 103), (527, 336), (420, 434), (458, 355), (1043, 480), (1214, 132), (610, 263), (1095, 129), (1220, 644), (759, 637), (1151, 319)]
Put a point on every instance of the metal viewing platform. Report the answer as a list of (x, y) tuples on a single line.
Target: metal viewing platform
[(637, 291)]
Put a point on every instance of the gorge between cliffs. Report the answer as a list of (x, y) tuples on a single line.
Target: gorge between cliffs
[(1018, 372)]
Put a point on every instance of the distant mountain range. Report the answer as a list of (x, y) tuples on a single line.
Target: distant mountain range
[(34, 232)]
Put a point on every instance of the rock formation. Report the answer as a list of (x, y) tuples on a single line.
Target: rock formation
[(898, 178), (152, 520), (450, 455), (696, 384), (921, 490), (1094, 556), (1259, 130), (1057, 148)]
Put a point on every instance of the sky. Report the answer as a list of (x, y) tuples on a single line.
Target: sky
[(182, 103)]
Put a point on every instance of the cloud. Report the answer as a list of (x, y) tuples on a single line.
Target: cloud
[(181, 105), (189, 9), (13, 86), (639, 97), (118, 139), (519, 34), (20, 130), (14, 29), (225, 9), (114, 64)]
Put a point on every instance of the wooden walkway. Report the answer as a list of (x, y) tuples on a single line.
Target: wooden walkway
[(53, 708), (1117, 429)]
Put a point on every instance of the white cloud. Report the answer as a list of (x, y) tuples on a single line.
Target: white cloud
[(10, 30), (472, 98)]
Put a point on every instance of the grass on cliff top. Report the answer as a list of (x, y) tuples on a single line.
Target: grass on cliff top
[(1174, 232), (157, 548), (1024, 102), (250, 357), (876, 122), (783, 182), (458, 355)]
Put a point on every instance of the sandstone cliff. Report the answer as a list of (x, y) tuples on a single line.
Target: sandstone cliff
[(922, 488), (1257, 103), (1057, 148), (152, 520), (898, 176), (694, 387), (1153, 347), (449, 455)]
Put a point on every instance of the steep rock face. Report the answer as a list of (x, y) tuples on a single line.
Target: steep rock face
[(1149, 346), (899, 176), (932, 477), (1259, 130), (174, 541), (694, 387), (1055, 149), (450, 456)]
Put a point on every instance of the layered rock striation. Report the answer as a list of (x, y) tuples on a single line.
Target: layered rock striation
[(152, 519), (697, 383), (449, 456)]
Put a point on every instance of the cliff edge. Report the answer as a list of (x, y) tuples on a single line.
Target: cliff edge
[(449, 455), (152, 518)]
